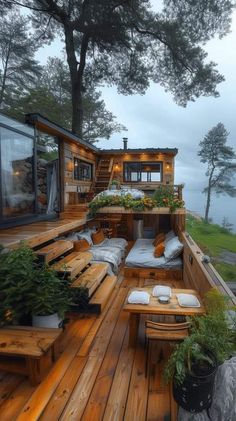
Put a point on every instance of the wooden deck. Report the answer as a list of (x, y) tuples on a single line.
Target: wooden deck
[(38, 232), (97, 376)]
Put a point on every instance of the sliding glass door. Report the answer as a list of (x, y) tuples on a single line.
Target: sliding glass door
[(17, 174)]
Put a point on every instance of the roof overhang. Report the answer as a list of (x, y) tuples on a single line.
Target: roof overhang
[(47, 126)]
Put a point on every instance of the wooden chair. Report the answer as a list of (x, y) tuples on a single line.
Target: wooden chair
[(168, 332)]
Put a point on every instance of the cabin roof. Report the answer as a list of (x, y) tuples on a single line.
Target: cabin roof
[(54, 128), (171, 151)]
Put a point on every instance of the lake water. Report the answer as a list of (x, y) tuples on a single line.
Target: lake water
[(221, 206)]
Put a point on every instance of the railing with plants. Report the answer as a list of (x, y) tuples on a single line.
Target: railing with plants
[(164, 196)]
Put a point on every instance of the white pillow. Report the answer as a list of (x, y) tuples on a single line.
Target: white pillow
[(86, 235), (139, 297), (160, 290), (173, 249), (187, 300), (168, 236)]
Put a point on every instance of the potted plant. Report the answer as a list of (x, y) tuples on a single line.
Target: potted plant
[(16, 271), (115, 184), (193, 364), (49, 298)]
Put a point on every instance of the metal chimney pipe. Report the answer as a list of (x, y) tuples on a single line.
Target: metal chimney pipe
[(125, 140)]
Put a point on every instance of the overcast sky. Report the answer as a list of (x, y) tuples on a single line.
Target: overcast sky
[(154, 120)]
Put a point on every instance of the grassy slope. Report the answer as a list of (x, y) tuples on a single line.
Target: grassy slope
[(213, 239)]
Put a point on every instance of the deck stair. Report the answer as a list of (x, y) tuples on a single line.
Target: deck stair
[(77, 211), (72, 264), (103, 175), (91, 278), (54, 250), (76, 267), (102, 294)]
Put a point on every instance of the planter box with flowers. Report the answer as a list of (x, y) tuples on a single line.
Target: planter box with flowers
[(163, 201)]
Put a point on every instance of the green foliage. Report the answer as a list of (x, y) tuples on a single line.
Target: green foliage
[(126, 201), (129, 45), (214, 240), (137, 205), (164, 196), (211, 340), (79, 298), (28, 288), (15, 274), (48, 294), (18, 67)]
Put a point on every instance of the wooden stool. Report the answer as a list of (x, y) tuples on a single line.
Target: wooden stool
[(28, 350), (169, 332)]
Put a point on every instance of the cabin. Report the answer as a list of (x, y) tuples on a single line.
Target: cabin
[(95, 368)]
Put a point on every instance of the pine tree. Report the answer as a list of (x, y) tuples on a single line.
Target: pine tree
[(18, 67), (221, 167)]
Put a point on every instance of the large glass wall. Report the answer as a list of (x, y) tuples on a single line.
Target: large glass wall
[(29, 173), (17, 173)]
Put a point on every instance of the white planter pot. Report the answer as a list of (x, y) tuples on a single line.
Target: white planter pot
[(46, 321)]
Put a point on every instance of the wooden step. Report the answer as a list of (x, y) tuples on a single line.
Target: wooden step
[(102, 294), (54, 250), (91, 278), (73, 264), (73, 214)]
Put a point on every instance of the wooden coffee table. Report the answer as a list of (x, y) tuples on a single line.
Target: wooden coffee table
[(154, 307)]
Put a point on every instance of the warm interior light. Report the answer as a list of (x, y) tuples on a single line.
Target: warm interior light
[(16, 173)]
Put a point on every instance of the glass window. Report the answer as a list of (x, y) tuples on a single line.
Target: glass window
[(47, 174), (17, 164), (143, 171), (82, 170)]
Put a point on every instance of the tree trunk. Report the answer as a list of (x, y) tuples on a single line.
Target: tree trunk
[(4, 77), (208, 202), (209, 188), (76, 74)]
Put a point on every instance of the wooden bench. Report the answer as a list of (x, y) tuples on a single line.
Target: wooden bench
[(28, 350)]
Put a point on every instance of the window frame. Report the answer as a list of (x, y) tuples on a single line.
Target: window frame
[(76, 169), (140, 164)]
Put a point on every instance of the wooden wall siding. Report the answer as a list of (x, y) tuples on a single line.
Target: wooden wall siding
[(166, 159), (71, 151)]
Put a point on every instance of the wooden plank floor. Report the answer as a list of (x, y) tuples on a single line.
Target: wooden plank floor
[(38, 232), (97, 376)]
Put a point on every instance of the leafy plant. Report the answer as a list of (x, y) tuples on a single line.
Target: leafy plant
[(211, 341), (27, 287), (115, 182), (80, 298), (48, 294), (16, 273), (164, 196)]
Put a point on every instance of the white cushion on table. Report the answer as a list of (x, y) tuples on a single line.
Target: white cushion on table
[(187, 300), (161, 290), (139, 297)]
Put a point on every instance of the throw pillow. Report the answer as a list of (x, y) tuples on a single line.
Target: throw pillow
[(173, 249), (81, 245), (159, 250), (98, 237), (159, 239)]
